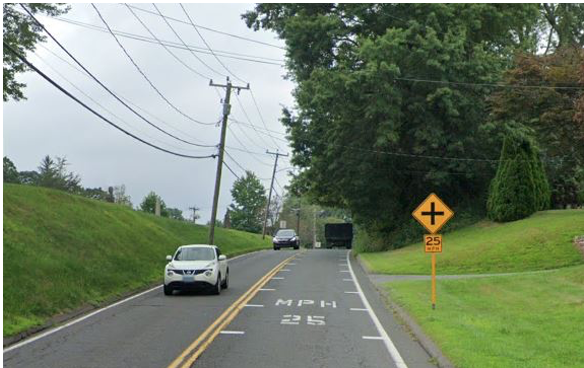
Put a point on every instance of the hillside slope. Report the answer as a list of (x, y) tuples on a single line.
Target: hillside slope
[(63, 251), (539, 242)]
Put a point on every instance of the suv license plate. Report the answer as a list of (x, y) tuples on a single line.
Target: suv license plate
[(188, 278)]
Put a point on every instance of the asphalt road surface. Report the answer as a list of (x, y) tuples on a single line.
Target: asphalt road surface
[(282, 309)]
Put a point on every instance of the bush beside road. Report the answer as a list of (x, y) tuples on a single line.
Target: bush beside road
[(531, 320), (62, 252), (540, 242)]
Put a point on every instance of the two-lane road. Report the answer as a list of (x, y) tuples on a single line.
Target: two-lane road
[(315, 310)]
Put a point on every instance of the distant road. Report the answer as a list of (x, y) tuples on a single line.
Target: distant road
[(279, 311)]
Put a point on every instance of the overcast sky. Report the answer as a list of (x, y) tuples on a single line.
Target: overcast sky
[(50, 123)]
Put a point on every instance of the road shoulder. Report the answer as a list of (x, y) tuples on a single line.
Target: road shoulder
[(416, 347)]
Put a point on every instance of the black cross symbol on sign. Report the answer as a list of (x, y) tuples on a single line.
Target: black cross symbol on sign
[(433, 213)]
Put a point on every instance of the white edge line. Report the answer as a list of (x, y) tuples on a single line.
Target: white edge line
[(266, 289), (255, 305), (372, 338), (359, 309), (70, 323), (227, 332), (277, 278), (82, 318), (395, 355)]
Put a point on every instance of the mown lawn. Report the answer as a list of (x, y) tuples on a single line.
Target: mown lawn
[(63, 251), (527, 321), (542, 241)]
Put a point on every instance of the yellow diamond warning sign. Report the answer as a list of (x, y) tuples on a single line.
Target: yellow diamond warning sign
[(432, 213)]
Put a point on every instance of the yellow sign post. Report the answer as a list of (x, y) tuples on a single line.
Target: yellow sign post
[(432, 213)]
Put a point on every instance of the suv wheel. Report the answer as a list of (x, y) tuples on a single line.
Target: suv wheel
[(217, 286), (167, 290), (225, 283)]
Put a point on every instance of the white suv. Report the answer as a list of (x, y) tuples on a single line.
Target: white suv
[(196, 266)]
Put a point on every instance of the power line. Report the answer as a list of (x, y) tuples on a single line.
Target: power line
[(213, 30), (228, 168), (184, 43), (103, 85), (262, 118), (175, 45), (144, 74), (68, 94), (125, 99), (235, 161), (97, 103), (166, 47), (499, 85), (249, 120), (209, 47)]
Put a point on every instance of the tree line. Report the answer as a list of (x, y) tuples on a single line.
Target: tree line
[(394, 101)]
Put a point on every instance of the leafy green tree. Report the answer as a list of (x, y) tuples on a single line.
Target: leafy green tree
[(149, 204), (555, 115), (249, 202), (520, 187), (369, 132), (22, 34), (10, 172), (96, 193), (53, 173), (175, 213)]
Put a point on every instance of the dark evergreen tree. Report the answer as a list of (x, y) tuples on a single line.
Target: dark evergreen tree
[(520, 187)]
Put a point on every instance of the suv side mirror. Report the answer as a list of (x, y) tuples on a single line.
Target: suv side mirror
[(222, 257), (169, 258)]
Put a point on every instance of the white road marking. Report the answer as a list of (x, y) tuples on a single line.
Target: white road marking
[(255, 305), (50, 332), (348, 280), (284, 270), (226, 332), (82, 318), (351, 292), (347, 271), (267, 289), (277, 278), (372, 338), (291, 264), (359, 309), (395, 355)]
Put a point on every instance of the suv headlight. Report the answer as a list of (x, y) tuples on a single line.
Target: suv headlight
[(208, 273), (169, 272)]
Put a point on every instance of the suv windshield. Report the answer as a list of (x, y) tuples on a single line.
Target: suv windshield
[(286, 233), (195, 254)]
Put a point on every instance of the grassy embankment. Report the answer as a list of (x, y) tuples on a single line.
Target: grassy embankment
[(62, 252), (540, 242), (532, 320)]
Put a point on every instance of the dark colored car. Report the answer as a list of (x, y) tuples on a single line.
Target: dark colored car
[(338, 235), (286, 238)]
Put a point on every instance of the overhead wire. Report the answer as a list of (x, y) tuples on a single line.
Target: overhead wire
[(231, 170), (196, 72), (68, 94), (144, 111), (214, 30), (137, 67), (262, 117), (176, 45), (128, 125), (92, 76), (184, 43), (208, 46), (249, 120)]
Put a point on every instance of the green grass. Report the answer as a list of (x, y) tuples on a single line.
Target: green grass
[(62, 252), (542, 241), (527, 321)]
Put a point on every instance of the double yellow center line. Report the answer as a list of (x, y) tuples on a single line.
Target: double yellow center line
[(193, 351)]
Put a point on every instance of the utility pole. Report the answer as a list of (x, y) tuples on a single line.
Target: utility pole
[(271, 186), (195, 216), (226, 109)]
